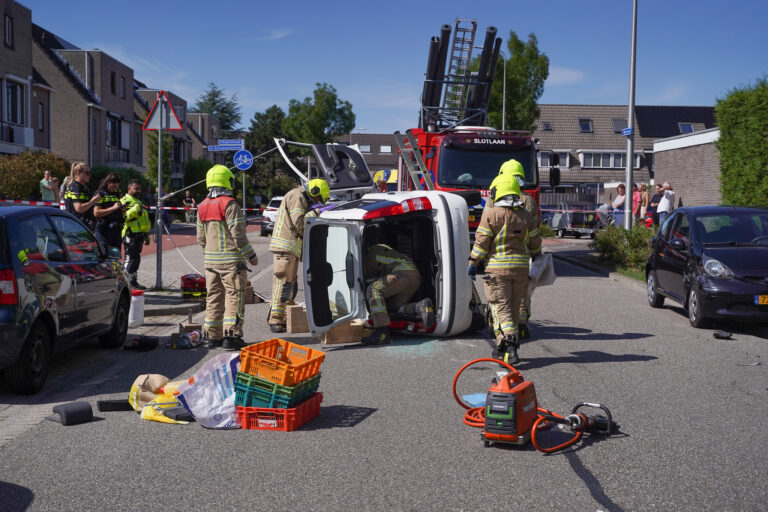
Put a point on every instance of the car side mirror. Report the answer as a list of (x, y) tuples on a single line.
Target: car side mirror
[(554, 176), (679, 244), (113, 253)]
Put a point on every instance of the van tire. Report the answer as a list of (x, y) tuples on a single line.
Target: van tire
[(28, 374)]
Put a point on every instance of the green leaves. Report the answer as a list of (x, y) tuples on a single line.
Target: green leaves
[(213, 101), (742, 117), (320, 118), (20, 175)]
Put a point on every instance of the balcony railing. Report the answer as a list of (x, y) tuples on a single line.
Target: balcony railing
[(117, 154), (16, 134)]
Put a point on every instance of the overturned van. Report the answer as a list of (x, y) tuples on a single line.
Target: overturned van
[(429, 227)]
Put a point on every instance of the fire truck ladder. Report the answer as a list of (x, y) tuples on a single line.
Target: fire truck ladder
[(413, 160), (458, 69)]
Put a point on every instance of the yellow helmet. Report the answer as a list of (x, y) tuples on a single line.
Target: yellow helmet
[(504, 186), (318, 190), (219, 176), (512, 168)]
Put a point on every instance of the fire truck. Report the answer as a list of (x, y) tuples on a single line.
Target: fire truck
[(453, 149)]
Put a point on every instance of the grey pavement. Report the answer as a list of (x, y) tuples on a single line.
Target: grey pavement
[(390, 435)]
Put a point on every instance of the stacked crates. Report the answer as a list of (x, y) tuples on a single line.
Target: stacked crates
[(276, 387)]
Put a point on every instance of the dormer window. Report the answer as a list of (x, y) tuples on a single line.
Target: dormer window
[(546, 126), (685, 127), (618, 124), (585, 125)]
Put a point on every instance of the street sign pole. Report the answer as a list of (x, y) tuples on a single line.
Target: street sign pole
[(159, 211), (631, 123), (244, 216)]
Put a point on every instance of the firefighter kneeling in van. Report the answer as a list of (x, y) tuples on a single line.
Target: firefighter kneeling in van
[(396, 280), (507, 236)]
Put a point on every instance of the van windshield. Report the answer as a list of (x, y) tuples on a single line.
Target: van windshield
[(475, 169)]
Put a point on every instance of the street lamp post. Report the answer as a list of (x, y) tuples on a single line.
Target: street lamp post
[(631, 123)]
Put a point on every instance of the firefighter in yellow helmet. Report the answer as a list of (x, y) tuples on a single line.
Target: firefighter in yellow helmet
[(286, 245), (221, 233), (507, 236), (509, 170)]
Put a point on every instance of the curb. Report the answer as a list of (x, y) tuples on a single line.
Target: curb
[(599, 270), (180, 309)]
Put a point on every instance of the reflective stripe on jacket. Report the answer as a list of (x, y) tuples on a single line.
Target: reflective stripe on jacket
[(507, 236), (221, 232), (289, 226), (136, 216), (381, 260), (528, 201)]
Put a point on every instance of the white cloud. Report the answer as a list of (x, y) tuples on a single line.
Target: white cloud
[(563, 76), (274, 35)]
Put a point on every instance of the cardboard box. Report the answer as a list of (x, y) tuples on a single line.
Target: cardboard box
[(351, 332), (249, 295), (189, 327), (296, 319)]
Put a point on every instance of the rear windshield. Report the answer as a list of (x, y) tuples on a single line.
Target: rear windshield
[(275, 203), (4, 259), (732, 227)]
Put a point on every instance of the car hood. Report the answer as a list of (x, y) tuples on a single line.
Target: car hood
[(750, 261)]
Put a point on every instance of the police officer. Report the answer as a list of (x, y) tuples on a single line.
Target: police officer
[(286, 245), (221, 233), (507, 236), (135, 231), (513, 168), (109, 212), (77, 198), (396, 280)]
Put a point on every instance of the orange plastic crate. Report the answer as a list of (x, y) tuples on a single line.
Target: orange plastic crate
[(280, 361), (285, 420)]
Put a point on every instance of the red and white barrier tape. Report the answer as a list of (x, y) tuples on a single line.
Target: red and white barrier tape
[(53, 203), (569, 211)]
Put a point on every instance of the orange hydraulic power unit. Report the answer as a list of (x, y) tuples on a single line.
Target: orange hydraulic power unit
[(510, 410)]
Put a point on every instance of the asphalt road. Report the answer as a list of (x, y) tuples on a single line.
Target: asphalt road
[(390, 435)]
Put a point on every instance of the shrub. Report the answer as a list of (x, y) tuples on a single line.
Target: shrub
[(546, 232), (21, 174), (629, 249), (280, 185), (126, 174)]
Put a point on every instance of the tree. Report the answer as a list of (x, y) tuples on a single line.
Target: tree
[(152, 159), (194, 171), (265, 126), (527, 69), (213, 101), (742, 117), (319, 119)]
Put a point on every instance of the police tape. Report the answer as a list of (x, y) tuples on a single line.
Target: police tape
[(568, 211), (61, 204)]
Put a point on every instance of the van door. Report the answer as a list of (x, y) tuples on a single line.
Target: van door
[(333, 280)]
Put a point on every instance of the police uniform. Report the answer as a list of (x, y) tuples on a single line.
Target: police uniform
[(78, 193), (109, 229), (507, 236), (286, 247), (135, 230), (221, 233)]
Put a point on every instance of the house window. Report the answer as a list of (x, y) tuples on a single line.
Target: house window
[(365, 148), (112, 82), (608, 160), (113, 131), (8, 31), (685, 127), (585, 125), (544, 160), (14, 103), (618, 124), (385, 149), (122, 87), (564, 159), (547, 126), (40, 117)]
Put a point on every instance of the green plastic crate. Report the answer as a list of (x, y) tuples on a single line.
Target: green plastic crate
[(253, 391)]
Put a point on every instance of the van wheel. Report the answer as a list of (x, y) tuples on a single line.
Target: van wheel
[(116, 336), (28, 375), (694, 310)]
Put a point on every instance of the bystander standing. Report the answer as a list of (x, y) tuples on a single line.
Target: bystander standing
[(667, 202), (654, 203), (47, 188)]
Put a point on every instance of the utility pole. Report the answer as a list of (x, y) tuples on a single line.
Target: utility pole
[(159, 212), (631, 124)]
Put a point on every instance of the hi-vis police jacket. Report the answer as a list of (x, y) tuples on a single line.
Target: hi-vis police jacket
[(221, 233), (508, 236), (289, 226)]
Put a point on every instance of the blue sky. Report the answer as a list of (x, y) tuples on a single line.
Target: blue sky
[(375, 53)]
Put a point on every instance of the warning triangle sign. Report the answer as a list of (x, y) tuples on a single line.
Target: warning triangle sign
[(161, 115)]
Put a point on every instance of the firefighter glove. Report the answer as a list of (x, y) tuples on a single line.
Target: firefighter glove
[(472, 271)]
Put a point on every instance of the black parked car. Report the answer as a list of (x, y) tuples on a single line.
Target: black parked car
[(58, 286), (714, 261)]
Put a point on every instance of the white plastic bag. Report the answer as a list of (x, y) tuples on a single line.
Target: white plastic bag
[(542, 271), (210, 394)]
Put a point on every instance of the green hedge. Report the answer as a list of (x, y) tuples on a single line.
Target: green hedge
[(629, 249), (20, 175)]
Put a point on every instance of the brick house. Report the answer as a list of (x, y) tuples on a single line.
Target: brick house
[(25, 109), (379, 149), (592, 149), (204, 130), (691, 164)]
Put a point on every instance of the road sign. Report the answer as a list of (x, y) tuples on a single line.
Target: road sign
[(626, 132), (161, 115), (237, 143), (222, 148), (243, 159)]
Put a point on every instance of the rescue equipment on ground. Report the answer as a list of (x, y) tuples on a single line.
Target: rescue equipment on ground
[(72, 413), (511, 414), (136, 313), (193, 287)]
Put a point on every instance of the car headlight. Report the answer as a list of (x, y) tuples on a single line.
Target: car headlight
[(715, 268)]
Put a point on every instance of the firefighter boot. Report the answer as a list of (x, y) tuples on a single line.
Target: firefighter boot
[(232, 343), (500, 352), (523, 331), (379, 336), (213, 343), (512, 345)]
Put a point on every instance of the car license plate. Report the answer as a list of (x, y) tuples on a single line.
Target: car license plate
[(471, 218), (761, 300)]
